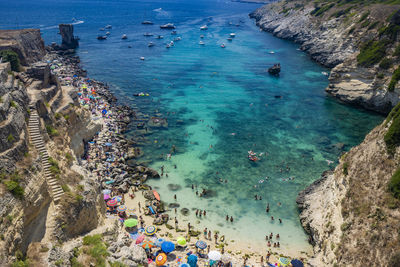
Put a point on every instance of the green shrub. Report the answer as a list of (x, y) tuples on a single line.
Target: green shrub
[(20, 263), (65, 188), (352, 30), (365, 24), (14, 188), (51, 131), (68, 156), (391, 31), (57, 116), (394, 80), (13, 104), (10, 138), (386, 63), (54, 168), (117, 264), (380, 76), (66, 117), (318, 11), (12, 57), (345, 168), (364, 16), (392, 137), (397, 51), (92, 239), (394, 184), (373, 25), (371, 53)]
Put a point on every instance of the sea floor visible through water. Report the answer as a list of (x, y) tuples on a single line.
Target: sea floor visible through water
[(220, 103)]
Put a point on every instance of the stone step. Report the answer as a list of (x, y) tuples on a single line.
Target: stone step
[(58, 191)]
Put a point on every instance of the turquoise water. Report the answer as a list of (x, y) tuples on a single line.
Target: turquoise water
[(220, 103)]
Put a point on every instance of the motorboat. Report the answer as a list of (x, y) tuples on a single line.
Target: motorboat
[(229, 39), (150, 44), (101, 37), (108, 26), (124, 36), (147, 22), (167, 46), (107, 33), (141, 58), (101, 29), (173, 32), (147, 34), (271, 52), (167, 26), (204, 27), (223, 45), (232, 35), (159, 37), (201, 36), (201, 43), (177, 39), (171, 43)]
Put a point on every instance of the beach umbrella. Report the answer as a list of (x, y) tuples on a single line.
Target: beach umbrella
[(161, 259), (147, 244), (106, 197), (106, 191), (117, 198), (226, 258), (184, 265), (214, 255), (86, 99), (297, 263), (284, 261), (159, 242), (181, 241), (68, 78), (201, 244), (130, 222), (167, 246), (140, 239), (192, 260), (121, 208), (108, 144), (104, 111), (130, 213), (112, 203), (150, 230)]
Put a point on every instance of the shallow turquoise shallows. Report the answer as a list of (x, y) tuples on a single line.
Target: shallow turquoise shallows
[(220, 103)]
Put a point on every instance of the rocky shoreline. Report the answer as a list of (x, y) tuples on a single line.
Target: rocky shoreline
[(333, 42)]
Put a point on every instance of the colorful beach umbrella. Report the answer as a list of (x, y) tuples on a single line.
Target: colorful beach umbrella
[(117, 198), (130, 213), (284, 261), (184, 265), (147, 244), (161, 259), (167, 246), (159, 242), (112, 203), (201, 244), (106, 191), (192, 260), (150, 230), (214, 255), (181, 241), (106, 197), (121, 208), (130, 222), (140, 239)]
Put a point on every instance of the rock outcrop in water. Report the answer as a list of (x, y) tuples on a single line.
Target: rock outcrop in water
[(334, 35), (69, 41)]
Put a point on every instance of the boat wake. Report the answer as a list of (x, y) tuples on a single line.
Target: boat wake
[(56, 26), (162, 13)]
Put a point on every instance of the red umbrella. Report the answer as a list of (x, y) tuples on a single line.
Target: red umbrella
[(86, 99), (140, 239), (112, 203)]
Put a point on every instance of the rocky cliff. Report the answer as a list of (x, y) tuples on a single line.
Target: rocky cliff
[(27, 43), (357, 40)]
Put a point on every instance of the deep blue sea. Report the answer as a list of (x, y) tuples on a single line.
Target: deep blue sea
[(220, 103)]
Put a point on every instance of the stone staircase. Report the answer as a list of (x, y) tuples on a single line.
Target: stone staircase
[(53, 186)]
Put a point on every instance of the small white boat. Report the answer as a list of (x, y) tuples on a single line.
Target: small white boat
[(147, 22), (171, 43), (124, 36), (167, 46), (325, 73), (232, 35), (223, 45), (173, 32), (177, 39), (147, 34), (229, 39), (201, 36), (108, 26), (271, 52), (101, 29), (159, 37), (168, 26), (150, 44), (107, 33), (141, 58), (201, 43), (204, 27)]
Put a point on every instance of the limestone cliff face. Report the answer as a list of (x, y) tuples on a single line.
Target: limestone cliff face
[(350, 213), (28, 44), (333, 35)]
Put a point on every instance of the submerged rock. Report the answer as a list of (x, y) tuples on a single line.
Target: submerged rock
[(174, 187), (185, 211), (275, 70)]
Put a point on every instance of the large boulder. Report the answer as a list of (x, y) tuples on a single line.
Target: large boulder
[(69, 41)]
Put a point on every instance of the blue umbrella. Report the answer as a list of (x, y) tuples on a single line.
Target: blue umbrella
[(192, 260), (104, 111), (167, 246), (297, 263), (108, 144), (184, 265), (201, 244)]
